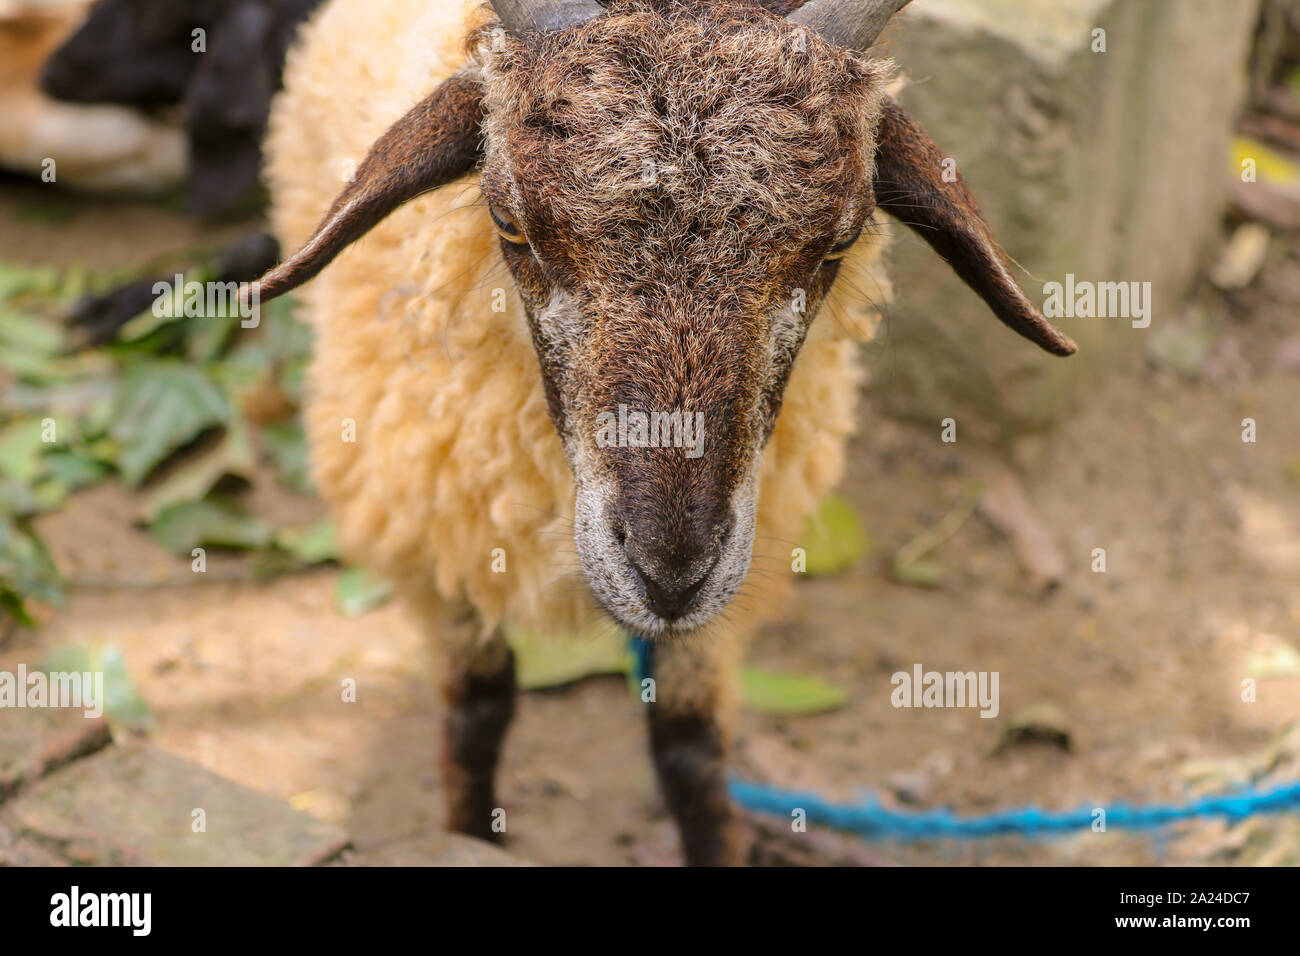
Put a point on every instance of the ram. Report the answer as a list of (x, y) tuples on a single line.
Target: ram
[(647, 205)]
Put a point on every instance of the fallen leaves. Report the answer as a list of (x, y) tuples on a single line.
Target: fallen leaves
[(164, 407), (833, 538)]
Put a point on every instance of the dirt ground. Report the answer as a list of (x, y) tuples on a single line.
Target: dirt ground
[(1143, 663)]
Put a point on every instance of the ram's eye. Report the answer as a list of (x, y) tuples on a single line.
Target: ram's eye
[(507, 227), (838, 250)]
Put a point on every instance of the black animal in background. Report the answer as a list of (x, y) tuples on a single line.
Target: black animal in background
[(219, 60)]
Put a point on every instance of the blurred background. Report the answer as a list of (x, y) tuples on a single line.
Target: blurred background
[(1118, 535)]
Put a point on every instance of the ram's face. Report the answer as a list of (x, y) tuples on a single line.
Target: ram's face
[(672, 198)]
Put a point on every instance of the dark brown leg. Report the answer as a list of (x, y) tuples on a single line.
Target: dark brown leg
[(689, 721), (690, 759), (478, 685)]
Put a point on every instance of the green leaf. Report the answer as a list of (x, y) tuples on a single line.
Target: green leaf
[(123, 703), (289, 336), (15, 279), (23, 333), (164, 340), (191, 481), (359, 591), (49, 493), (207, 337), (162, 406), (546, 661), (74, 470), (287, 446), (74, 284), (149, 322), (313, 544), (17, 498), (211, 523), (21, 449), (11, 602), (772, 692), (87, 404), (102, 450), (26, 571), (919, 574), (833, 538), (34, 367), (247, 364)]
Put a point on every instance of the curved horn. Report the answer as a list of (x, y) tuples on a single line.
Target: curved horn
[(852, 24), (530, 16)]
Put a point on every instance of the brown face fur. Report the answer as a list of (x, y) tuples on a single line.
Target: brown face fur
[(676, 179)]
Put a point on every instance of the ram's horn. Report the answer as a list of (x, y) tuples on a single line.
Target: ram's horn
[(852, 24), (530, 16)]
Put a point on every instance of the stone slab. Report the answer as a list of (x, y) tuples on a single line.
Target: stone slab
[(34, 741), (133, 805)]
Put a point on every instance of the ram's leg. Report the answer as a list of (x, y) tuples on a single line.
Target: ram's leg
[(477, 678), (690, 719), (480, 699)]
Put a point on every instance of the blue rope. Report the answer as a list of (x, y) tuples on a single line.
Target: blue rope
[(643, 658), (872, 821)]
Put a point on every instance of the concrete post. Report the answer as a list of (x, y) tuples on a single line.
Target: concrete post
[(1109, 166)]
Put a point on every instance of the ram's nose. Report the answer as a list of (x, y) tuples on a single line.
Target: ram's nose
[(672, 561), (668, 596)]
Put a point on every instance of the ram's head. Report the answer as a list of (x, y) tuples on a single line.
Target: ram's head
[(674, 183)]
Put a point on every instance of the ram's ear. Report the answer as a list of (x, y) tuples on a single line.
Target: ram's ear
[(910, 187), (435, 143)]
